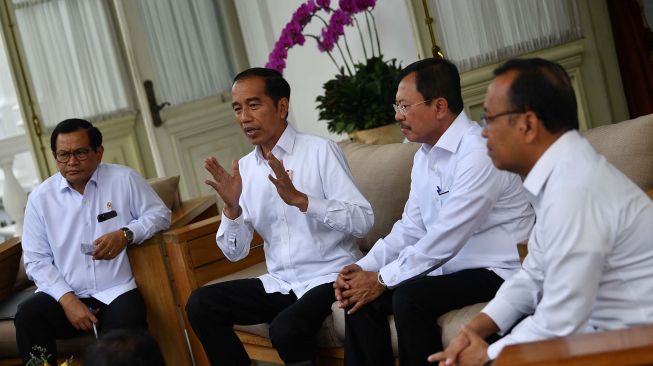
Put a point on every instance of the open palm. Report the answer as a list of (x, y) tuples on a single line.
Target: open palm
[(228, 187)]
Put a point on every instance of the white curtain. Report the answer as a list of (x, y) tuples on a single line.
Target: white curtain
[(188, 45), (73, 59), (474, 33)]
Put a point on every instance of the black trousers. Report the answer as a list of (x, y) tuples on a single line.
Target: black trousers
[(40, 320), (294, 323), (416, 306)]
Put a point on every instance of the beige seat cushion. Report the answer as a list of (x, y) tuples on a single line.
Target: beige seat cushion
[(378, 170), (168, 189), (628, 146)]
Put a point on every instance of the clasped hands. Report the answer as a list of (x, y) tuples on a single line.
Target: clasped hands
[(467, 348), (354, 288), (230, 187)]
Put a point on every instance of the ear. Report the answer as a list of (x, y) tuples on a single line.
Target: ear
[(99, 152), (282, 107), (531, 127), (441, 107)]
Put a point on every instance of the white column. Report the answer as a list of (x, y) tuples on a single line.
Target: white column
[(14, 197)]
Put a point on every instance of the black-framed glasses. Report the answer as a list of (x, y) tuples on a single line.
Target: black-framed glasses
[(403, 109), (486, 120), (64, 156)]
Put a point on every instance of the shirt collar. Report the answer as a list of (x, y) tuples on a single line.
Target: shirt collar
[(286, 143), (539, 174), (450, 139), (63, 183)]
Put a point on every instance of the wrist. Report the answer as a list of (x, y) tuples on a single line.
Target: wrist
[(232, 212), (379, 279), (301, 202)]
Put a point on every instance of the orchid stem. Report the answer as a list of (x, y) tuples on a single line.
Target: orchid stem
[(360, 34)]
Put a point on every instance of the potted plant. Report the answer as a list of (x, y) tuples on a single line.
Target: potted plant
[(358, 100)]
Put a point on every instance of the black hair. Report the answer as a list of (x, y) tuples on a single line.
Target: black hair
[(124, 347), (435, 78), (75, 124), (545, 88), (276, 87)]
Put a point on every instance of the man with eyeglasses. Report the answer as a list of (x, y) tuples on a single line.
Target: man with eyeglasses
[(456, 241), (77, 225), (590, 259)]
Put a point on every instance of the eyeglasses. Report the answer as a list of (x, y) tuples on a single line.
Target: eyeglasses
[(486, 120), (64, 156), (403, 109)]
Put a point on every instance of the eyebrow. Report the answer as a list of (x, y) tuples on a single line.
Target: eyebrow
[(248, 100)]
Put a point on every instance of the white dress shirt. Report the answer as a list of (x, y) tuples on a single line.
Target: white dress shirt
[(302, 250), (590, 256), (58, 219), (461, 213)]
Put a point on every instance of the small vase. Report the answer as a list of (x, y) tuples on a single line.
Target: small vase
[(387, 134)]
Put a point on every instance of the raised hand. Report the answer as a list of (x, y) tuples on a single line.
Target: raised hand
[(228, 187), (287, 191)]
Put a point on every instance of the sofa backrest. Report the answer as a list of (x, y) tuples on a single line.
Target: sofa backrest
[(628, 146), (382, 173)]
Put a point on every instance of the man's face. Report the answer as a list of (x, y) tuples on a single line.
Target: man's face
[(260, 118), (76, 145), (420, 123), (503, 132)]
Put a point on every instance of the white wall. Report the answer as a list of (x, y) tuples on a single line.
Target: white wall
[(307, 69)]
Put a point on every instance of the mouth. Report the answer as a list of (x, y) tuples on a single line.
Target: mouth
[(404, 128), (250, 131)]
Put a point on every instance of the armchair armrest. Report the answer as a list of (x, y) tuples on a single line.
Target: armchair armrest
[(633, 346), (10, 251)]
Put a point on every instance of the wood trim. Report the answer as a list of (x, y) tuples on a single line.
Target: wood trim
[(633, 346), (10, 251)]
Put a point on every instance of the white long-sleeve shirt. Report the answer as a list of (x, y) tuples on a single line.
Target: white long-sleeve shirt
[(590, 256), (302, 249), (58, 219), (461, 213)]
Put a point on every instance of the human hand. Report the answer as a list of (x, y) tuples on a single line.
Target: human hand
[(476, 352), (341, 284), (449, 356), (287, 191), (77, 312), (228, 187), (109, 245), (364, 288)]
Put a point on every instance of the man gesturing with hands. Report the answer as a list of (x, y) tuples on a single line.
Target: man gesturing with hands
[(297, 192)]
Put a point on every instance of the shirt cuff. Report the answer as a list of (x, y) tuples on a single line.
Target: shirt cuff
[(317, 208), (390, 274), (502, 313), (58, 290), (368, 263), (230, 223), (495, 348)]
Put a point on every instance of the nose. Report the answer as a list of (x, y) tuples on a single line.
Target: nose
[(399, 116), (245, 115)]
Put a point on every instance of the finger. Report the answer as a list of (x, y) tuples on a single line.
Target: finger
[(213, 184), (235, 168), (337, 294), (214, 167), (436, 357), (276, 165), (274, 180), (354, 309)]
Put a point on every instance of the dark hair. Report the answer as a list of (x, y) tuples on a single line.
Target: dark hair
[(543, 87), (75, 124), (276, 87), (124, 347), (435, 78)]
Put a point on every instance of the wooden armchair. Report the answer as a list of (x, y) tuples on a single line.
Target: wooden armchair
[(149, 264)]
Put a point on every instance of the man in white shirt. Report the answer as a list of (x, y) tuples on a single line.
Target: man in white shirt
[(590, 259), (78, 223), (297, 192), (456, 241)]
